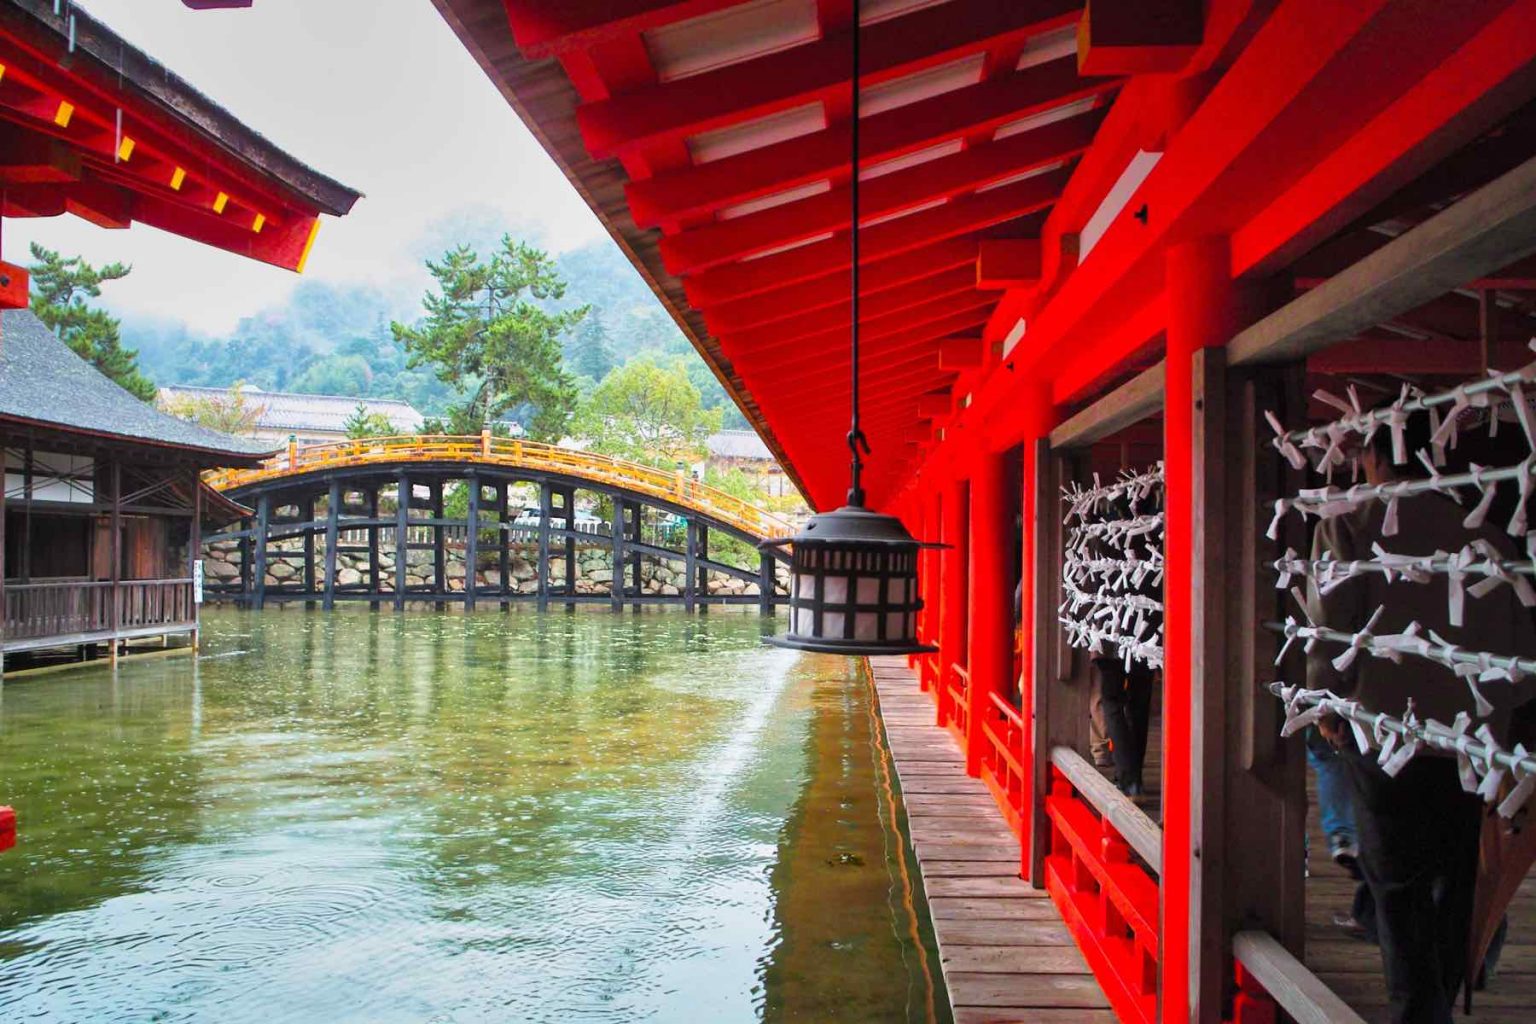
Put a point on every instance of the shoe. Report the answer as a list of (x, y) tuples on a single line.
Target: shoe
[(1349, 926), (1345, 853), (1133, 789)]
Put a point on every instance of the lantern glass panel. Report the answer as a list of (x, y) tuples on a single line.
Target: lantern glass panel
[(832, 625), (869, 590)]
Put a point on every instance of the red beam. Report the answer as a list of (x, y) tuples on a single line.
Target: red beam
[(1139, 37), (831, 324), (975, 109), (1008, 263), (953, 289), (544, 28), (961, 353), (831, 348), (957, 217), (672, 111), (833, 289), (938, 180)]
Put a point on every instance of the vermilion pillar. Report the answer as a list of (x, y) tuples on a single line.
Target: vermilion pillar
[(952, 585), (1202, 313), (990, 640)]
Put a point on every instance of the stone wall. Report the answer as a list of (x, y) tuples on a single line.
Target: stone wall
[(594, 569)]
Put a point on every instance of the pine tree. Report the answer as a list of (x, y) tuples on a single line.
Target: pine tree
[(60, 287), (487, 336), (591, 353)]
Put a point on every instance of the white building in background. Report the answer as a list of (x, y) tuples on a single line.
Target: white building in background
[(312, 419), (744, 450)]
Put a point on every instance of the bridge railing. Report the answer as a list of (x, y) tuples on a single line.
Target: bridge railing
[(515, 453)]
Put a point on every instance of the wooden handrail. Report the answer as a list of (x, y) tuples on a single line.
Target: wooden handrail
[(1297, 990), (504, 451), (1139, 831), (1007, 710)]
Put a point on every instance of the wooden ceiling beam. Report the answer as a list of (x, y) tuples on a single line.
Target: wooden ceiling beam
[(833, 289), (671, 111), (548, 28), (889, 195), (1139, 37), (956, 217), (1008, 263), (962, 353), (947, 291), (705, 188), (833, 324)]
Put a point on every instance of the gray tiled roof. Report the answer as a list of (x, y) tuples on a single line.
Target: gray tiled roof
[(738, 444), (43, 381), (289, 410)]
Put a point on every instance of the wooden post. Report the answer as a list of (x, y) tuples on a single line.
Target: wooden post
[(439, 545), (310, 581), (247, 560), (115, 544), (988, 649), (332, 537), (472, 537), (702, 554), (259, 572), (568, 497), (1045, 557), (504, 541), (765, 583), (546, 503), (691, 566), (616, 537), (194, 548), (636, 584), (375, 584), (402, 538)]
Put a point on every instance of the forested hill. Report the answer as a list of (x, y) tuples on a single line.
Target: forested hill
[(335, 339)]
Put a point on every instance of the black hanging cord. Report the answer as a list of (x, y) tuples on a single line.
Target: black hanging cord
[(856, 438)]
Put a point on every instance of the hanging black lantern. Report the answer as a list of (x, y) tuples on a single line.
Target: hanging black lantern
[(853, 582)]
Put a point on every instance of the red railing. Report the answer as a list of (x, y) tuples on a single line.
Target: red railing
[(1003, 729), (1270, 979), (954, 685), (1108, 900)]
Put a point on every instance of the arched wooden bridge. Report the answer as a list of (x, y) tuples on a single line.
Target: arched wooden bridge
[(323, 529)]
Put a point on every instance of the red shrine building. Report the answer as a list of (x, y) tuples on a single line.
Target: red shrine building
[(1147, 270)]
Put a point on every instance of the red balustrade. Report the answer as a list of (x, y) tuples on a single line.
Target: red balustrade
[(1003, 732), (1108, 900), (953, 713)]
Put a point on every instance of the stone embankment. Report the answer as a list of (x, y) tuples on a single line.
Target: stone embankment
[(594, 569)]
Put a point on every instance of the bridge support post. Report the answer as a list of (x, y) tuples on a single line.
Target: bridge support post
[(263, 522), (636, 583), (504, 541), (439, 548), (765, 573), (546, 501), (402, 538), (701, 574), (309, 553), (247, 559), (568, 506), (375, 584), (691, 567), (472, 542), (616, 536), (332, 535)]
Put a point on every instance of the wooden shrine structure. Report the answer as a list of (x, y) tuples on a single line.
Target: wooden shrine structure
[(1094, 237), (103, 506)]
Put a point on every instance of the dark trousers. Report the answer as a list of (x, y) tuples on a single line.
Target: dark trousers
[(1418, 836), (1126, 698)]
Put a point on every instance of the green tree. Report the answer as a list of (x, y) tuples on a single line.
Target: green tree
[(233, 413), (60, 287), (487, 335), (363, 423), (647, 411), (591, 352)]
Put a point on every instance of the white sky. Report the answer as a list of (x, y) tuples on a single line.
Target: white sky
[(378, 94)]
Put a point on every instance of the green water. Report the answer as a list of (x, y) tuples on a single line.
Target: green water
[(448, 818)]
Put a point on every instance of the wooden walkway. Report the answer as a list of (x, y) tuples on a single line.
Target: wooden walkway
[(1007, 957)]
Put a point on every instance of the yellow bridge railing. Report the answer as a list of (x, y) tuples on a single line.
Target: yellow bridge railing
[(485, 449)]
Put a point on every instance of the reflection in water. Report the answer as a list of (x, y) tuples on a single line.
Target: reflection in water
[(370, 817)]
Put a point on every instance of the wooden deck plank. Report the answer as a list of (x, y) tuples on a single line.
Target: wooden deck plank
[(1006, 955)]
